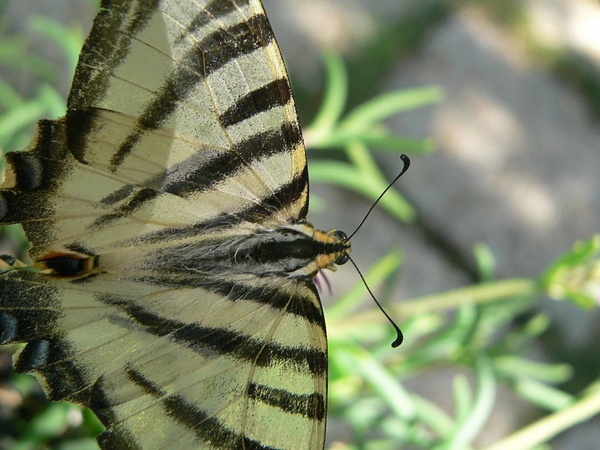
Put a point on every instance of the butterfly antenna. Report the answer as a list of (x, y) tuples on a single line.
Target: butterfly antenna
[(406, 161), (400, 336)]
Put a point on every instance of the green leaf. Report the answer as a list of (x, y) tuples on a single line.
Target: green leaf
[(485, 260), (518, 367), (384, 384), (474, 414), (544, 396), (70, 40), (575, 276), (9, 98), (347, 176), (374, 277), (336, 91), (382, 107)]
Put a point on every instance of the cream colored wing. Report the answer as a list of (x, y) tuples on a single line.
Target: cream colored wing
[(171, 290), (178, 106), (176, 363)]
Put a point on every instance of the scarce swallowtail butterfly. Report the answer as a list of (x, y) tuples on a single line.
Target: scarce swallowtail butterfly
[(171, 289)]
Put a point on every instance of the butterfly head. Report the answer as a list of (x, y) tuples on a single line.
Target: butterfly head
[(336, 249)]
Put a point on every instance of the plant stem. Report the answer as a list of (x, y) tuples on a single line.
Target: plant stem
[(544, 429), (481, 293)]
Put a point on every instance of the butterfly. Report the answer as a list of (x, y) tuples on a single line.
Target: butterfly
[(171, 289)]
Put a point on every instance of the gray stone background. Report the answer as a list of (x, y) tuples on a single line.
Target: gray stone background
[(518, 159)]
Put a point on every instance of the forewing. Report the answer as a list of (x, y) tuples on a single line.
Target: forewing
[(180, 115)]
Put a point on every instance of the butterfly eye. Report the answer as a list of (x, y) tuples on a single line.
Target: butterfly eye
[(342, 259), (341, 236)]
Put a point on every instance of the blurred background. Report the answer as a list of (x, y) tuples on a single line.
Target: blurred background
[(516, 163)]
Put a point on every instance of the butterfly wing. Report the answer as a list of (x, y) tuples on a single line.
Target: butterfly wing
[(180, 141), (182, 108)]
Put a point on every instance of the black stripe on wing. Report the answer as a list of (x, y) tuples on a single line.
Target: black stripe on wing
[(198, 173), (206, 428), (192, 176), (137, 201), (256, 214), (207, 56), (267, 294), (91, 82), (97, 62), (27, 314), (271, 95), (269, 206), (31, 313), (36, 173), (274, 298), (54, 360), (225, 45), (212, 11), (220, 341), (311, 406)]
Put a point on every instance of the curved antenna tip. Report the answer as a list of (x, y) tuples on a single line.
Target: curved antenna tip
[(399, 339)]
